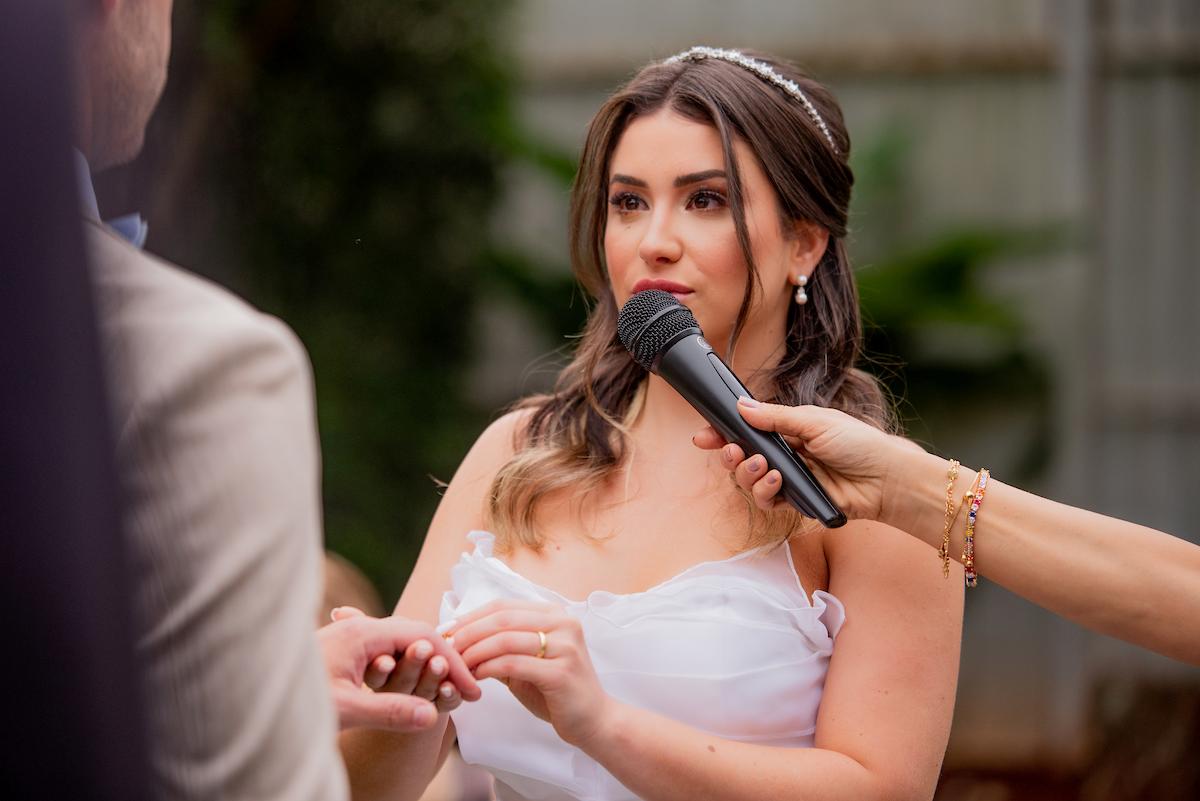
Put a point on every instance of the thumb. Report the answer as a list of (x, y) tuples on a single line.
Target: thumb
[(793, 421), (393, 712)]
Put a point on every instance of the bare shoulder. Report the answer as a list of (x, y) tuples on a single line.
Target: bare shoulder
[(864, 546), (464, 500), (494, 447), (462, 510), (860, 553), (869, 559), (809, 559)]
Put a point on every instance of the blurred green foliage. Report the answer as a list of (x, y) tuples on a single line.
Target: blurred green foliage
[(373, 170), (353, 150), (941, 339)]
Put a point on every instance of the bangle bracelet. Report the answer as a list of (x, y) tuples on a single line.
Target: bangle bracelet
[(975, 498), (944, 551)]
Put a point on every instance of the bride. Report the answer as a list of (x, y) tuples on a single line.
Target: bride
[(649, 629)]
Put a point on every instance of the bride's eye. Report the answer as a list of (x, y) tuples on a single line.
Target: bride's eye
[(707, 200), (625, 202)]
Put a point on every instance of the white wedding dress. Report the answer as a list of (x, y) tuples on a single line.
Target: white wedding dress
[(731, 647)]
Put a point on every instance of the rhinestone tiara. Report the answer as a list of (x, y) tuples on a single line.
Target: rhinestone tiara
[(762, 70)]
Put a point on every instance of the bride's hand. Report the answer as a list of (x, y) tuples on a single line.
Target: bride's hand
[(553, 677)]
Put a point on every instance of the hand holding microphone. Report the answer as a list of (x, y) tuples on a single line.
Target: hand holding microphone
[(662, 336), (852, 459), (1100, 572)]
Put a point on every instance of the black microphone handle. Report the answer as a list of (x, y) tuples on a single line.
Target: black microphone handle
[(689, 365)]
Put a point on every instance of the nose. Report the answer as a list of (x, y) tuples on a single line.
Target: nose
[(660, 244)]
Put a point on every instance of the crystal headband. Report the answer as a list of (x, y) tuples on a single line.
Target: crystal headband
[(762, 70)]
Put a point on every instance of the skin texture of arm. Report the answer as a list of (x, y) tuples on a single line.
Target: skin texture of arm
[(384, 765), (884, 718), (1118, 578), (1114, 577)]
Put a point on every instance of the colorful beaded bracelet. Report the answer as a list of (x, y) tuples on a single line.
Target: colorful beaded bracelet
[(975, 498)]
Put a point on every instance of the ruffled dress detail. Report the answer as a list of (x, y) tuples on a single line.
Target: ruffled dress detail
[(731, 647)]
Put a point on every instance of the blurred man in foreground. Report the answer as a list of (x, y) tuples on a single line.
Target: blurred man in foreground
[(218, 462)]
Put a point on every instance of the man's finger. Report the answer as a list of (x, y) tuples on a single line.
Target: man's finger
[(379, 671), (431, 678), (390, 711), (412, 662), (345, 612), (448, 698), (392, 634), (458, 672)]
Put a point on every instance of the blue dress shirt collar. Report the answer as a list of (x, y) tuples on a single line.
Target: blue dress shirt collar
[(130, 226)]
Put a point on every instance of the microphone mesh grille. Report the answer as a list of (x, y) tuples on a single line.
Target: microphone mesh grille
[(642, 332)]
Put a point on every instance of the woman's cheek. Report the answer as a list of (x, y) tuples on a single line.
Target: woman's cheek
[(617, 260)]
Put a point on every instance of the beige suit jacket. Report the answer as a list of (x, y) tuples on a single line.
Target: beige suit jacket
[(218, 458)]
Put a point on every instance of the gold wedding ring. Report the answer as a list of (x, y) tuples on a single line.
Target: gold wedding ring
[(541, 654)]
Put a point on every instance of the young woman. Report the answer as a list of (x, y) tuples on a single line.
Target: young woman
[(651, 631)]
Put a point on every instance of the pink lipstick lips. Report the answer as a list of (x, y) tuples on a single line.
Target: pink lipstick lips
[(676, 289)]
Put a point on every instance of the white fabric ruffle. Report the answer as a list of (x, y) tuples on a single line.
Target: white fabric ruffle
[(732, 647)]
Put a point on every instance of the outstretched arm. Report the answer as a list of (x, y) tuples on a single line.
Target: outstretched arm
[(1109, 575)]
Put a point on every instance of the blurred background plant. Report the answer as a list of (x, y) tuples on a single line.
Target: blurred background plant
[(335, 163), (935, 332), (339, 164)]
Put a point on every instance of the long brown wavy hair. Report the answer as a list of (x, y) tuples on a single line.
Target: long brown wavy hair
[(576, 438)]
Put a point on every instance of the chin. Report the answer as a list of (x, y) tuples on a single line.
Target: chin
[(124, 151)]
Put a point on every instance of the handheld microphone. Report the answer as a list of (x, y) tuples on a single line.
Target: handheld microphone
[(663, 336)]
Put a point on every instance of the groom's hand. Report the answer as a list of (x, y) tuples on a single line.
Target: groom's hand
[(357, 647)]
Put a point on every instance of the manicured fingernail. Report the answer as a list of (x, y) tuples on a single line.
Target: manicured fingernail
[(772, 478), (438, 666), (749, 403), (446, 691), (728, 452), (754, 466), (423, 650), (386, 664), (423, 716)]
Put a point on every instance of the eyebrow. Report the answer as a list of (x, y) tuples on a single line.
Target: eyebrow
[(682, 180)]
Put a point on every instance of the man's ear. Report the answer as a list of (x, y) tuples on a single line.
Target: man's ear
[(806, 246)]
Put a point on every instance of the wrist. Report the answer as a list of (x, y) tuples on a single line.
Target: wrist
[(915, 498), (611, 723)]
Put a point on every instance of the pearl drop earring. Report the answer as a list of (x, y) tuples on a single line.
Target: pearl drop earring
[(801, 295)]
